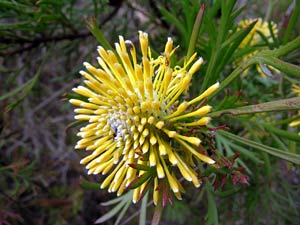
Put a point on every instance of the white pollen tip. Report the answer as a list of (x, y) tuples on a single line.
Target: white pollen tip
[(86, 64), (175, 163), (211, 161), (89, 172), (81, 161), (198, 185), (160, 176), (134, 201), (152, 164)]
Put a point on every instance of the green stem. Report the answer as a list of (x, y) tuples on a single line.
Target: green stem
[(274, 106), (289, 156), (195, 32), (237, 72), (279, 64), (157, 214), (292, 21), (269, 10), (285, 49), (97, 33)]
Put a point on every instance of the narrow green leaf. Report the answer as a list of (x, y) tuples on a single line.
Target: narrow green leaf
[(143, 213), (122, 213), (292, 21), (283, 133), (29, 85), (286, 67), (279, 105), (98, 34), (227, 193), (114, 211), (172, 19), (139, 166), (292, 157), (140, 180), (212, 211), (238, 37), (126, 196), (89, 185), (17, 90), (195, 32)]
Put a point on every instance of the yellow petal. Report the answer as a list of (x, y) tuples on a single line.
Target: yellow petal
[(206, 93)]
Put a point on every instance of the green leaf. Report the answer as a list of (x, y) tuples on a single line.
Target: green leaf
[(292, 157), (89, 185), (292, 21), (140, 166), (123, 203), (195, 32), (28, 85), (111, 213), (98, 34), (122, 213), (286, 67), (283, 133), (212, 211), (143, 213), (227, 193), (140, 180), (279, 105)]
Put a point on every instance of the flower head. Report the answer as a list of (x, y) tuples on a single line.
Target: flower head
[(296, 91), (260, 33), (136, 126), (261, 28)]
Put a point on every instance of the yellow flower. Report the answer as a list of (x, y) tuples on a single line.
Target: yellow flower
[(253, 38), (135, 125), (296, 91)]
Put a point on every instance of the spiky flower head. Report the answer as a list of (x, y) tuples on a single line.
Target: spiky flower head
[(261, 29), (260, 33), (296, 91), (136, 126)]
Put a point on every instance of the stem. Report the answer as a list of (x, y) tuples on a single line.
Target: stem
[(292, 20), (274, 106), (195, 32), (285, 49), (280, 65), (237, 72), (157, 214), (269, 10)]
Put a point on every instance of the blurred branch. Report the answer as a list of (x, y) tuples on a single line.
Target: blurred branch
[(34, 43)]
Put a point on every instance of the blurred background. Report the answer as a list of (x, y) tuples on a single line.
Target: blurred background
[(42, 47)]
